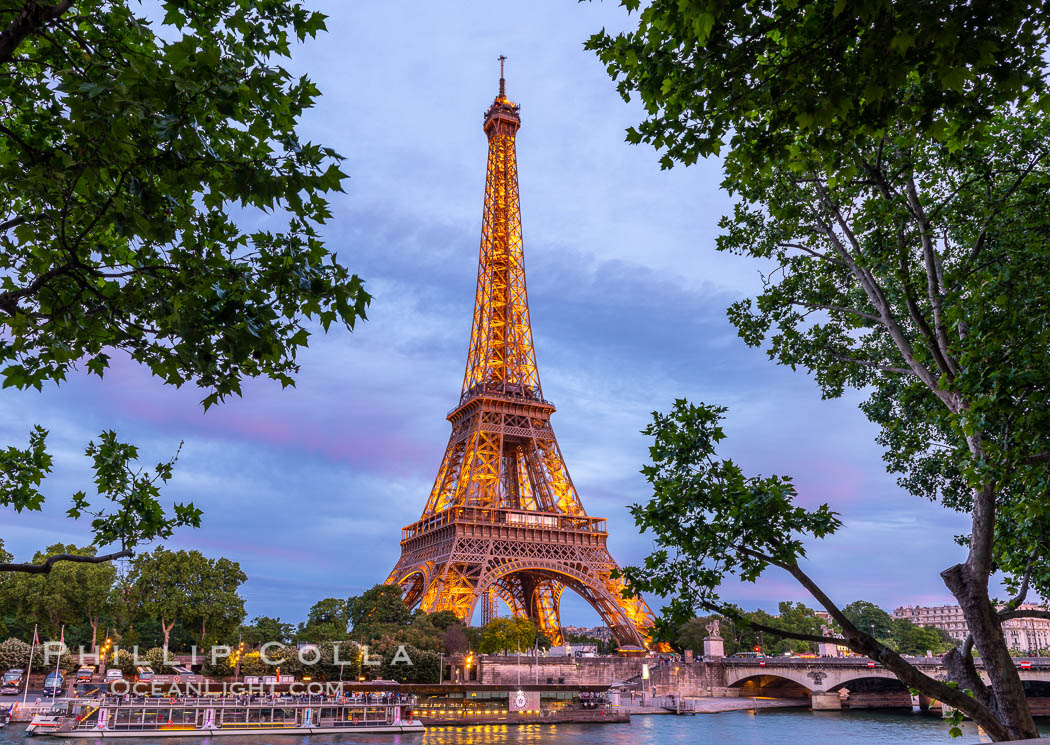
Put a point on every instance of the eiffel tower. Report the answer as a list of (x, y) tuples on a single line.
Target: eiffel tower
[(503, 519)]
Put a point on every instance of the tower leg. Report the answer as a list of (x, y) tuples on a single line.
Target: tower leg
[(547, 609)]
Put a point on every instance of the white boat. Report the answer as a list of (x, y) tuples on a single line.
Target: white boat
[(116, 716)]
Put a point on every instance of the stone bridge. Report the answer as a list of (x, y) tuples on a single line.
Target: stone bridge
[(831, 674), (832, 683), (824, 682)]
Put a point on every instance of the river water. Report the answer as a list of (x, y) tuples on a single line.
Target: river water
[(769, 727)]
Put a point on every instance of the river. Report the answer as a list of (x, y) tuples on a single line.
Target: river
[(770, 727)]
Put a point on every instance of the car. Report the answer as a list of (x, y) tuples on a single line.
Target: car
[(54, 683), (12, 681), (85, 674), (114, 673), (143, 674)]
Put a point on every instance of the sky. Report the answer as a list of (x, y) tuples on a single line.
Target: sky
[(308, 487)]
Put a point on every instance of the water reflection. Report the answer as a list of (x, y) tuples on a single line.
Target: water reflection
[(767, 727)]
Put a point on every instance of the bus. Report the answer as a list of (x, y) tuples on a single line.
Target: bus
[(12, 682)]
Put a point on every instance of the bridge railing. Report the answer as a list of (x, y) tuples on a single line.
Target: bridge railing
[(1031, 662)]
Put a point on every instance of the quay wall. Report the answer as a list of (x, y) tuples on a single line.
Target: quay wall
[(693, 679)]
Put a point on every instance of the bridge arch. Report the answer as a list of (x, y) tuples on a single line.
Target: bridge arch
[(772, 685), (870, 684)]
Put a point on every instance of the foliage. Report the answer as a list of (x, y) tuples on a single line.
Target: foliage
[(709, 519), (508, 635), (798, 83), (15, 653), (265, 629), (454, 640), (903, 211), (410, 665), (326, 621), (444, 619), (907, 638), (70, 593), (349, 654), (186, 585), (381, 604), (869, 617), (135, 153), (125, 660), (156, 657)]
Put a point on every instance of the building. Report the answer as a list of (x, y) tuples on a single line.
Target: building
[(601, 633), (1027, 635)]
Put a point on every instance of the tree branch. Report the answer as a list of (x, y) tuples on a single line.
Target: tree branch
[(933, 283), (906, 672), (14, 222), (46, 567), (1022, 592), (839, 308), (1024, 613), (33, 17), (872, 364), (981, 236)]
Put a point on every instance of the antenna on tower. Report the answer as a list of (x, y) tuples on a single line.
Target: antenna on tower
[(502, 82)]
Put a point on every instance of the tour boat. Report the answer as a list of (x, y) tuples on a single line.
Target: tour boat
[(116, 716)]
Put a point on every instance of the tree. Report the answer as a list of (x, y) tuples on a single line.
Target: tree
[(265, 629), (159, 584), (410, 665), (326, 621), (188, 586), (135, 155), (15, 653), (799, 619), (503, 635), (159, 659), (789, 82), (379, 604), (213, 601), (454, 640), (691, 634), (444, 619), (904, 210), (72, 592), (865, 615)]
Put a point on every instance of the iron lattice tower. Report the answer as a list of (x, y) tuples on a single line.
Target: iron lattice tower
[(503, 518)]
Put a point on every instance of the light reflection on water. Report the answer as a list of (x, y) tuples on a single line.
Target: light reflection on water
[(772, 727)]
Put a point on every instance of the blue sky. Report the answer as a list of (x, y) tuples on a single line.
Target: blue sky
[(308, 488)]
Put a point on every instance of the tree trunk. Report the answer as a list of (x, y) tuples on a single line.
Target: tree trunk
[(166, 628), (1007, 699), (204, 628), (94, 632)]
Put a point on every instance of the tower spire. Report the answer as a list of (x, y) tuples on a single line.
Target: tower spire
[(500, 357), (502, 82)]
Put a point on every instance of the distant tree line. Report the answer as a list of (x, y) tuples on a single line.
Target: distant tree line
[(744, 634), (177, 600)]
